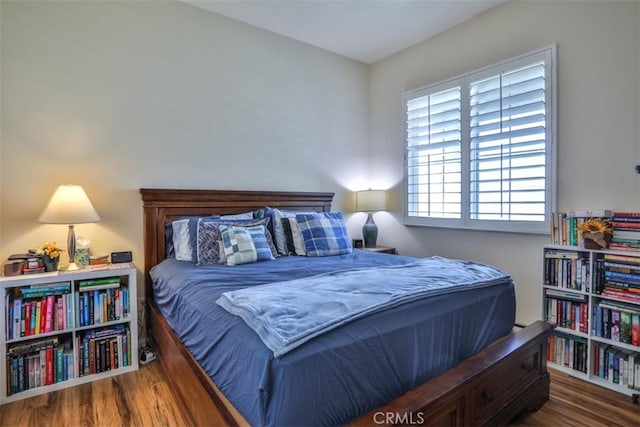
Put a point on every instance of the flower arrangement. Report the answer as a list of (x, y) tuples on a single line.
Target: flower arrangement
[(596, 233), (51, 249), (595, 225)]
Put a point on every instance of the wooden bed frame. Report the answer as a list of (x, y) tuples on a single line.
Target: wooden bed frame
[(489, 388)]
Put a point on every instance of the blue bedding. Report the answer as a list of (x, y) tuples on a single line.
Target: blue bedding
[(339, 375), (287, 314)]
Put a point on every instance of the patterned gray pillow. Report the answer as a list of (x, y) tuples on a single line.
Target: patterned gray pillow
[(209, 238)]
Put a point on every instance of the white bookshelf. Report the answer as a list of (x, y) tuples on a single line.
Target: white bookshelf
[(578, 284), (118, 315)]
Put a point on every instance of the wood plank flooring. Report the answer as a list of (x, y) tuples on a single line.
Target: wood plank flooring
[(144, 398)]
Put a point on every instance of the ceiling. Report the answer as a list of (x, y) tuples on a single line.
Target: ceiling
[(365, 30)]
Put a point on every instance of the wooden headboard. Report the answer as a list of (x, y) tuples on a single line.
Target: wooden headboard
[(161, 206)]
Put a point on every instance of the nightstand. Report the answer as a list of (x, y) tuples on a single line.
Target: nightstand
[(382, 249)]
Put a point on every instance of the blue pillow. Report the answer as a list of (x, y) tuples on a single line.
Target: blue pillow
[(168, 241), (324, 234), (243, 245), (185, 235)]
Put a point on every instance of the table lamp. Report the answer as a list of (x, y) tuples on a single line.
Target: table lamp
[(69, 205), (370, 201)]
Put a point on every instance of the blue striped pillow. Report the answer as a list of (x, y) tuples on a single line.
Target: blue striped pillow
[(324, 234)]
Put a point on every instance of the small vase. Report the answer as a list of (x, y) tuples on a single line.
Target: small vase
[(50, 264), (596, 240)]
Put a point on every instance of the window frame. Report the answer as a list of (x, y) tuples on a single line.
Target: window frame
[(548, 54)]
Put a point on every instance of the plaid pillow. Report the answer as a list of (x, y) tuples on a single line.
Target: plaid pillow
[(324, 234), (238, 245)]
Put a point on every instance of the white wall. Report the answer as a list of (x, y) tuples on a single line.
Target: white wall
[(116, 96), (121, 95), (598, 129)]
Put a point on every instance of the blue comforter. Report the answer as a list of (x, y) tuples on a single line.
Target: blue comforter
[(287, 314), (338, 375)]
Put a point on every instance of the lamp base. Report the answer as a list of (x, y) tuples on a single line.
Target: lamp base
[(71, 267), (370, 232)]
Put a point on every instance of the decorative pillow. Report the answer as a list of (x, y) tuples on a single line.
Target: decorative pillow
[(209, 238), (324, 234), (246, 215), (293, 237), (184, 236), (238, 245), (278, 230), (232, 238), (168, 241)]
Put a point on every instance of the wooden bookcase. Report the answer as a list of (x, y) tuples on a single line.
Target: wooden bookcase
[(585, 342), (89, 333)]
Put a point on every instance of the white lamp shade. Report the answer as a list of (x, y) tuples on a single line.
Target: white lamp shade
[(371, 200), (69, 205)]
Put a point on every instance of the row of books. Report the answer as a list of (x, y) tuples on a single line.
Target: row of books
[(567, 311), (616, 321), (567, 269), (104, 350), (625, 228), (39, 363), (626, 231), (617, 366), (564, 225), (37, 315), (618, 276), (568, 351), (102, 306)]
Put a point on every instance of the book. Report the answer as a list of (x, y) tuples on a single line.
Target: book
[(635, 329), (31, 346), (103, 283), (626, 233), (625, 327), (624, 247), (630, 370), (48, 322), (37, 319), (27, 319), (624, 214), (17, 313), (631, 225), (45, 290), (590, 213)]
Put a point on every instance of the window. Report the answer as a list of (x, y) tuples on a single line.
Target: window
[(479, 148)]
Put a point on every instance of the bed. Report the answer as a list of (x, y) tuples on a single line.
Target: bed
[(489, 378)]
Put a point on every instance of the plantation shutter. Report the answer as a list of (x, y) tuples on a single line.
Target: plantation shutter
[(507, 128), (480, 150), (433, 126)]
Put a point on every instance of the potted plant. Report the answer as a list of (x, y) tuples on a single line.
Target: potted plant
[(596, 233), (50, 255)]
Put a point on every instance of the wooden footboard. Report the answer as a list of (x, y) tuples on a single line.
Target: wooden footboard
[(489, 388)]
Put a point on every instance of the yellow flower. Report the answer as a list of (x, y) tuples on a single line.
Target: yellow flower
[(51, 249), (595, 225)]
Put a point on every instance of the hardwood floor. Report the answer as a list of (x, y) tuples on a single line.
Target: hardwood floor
[(144, 398), (573, 402), (141, 398)]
